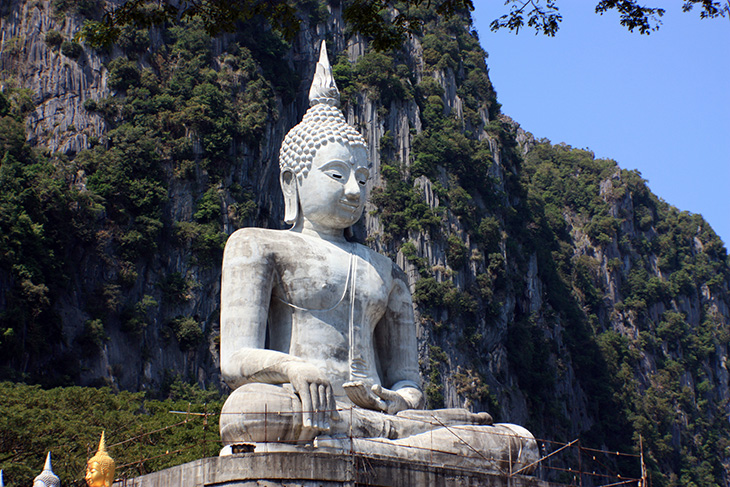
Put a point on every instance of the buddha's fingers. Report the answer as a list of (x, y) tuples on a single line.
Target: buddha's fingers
[(390, 401), (306, 397), (323, 407), (331, 404), (316, 407), (362, 396)]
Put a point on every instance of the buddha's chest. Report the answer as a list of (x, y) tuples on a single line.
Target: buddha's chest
[(334, 283)]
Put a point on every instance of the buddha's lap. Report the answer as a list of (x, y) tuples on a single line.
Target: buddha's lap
[(259, 412)]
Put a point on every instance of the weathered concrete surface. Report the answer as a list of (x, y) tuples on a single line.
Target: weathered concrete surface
[(296, 469)]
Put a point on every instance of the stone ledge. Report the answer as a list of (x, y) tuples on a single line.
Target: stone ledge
[(317, 469)]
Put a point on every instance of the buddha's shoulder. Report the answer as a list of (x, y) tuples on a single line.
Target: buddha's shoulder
[(265, 240), (255, 233), (383, 262), (260, 238)]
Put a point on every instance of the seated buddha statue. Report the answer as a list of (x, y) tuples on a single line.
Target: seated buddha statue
[(318, 338)]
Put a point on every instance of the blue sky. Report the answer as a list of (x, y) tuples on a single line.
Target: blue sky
[(659, 103)]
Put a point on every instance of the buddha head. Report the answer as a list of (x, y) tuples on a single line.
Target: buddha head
[(323, 160), (47, 478), (100, 468)]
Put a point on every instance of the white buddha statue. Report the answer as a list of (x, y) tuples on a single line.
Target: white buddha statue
[(318, 332)]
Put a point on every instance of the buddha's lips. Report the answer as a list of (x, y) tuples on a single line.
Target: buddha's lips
[(349, 204)]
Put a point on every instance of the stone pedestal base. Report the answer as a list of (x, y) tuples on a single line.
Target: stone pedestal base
[(317, 469)]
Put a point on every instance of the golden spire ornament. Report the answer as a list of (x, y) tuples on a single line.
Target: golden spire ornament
[(100, 468)]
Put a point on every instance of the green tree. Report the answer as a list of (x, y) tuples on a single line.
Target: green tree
[(367, 17), (142, 434)]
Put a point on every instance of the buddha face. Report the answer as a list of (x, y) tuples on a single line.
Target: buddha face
[(95, 475), (332, 195)]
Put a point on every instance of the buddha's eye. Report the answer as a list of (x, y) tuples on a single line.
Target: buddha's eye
[(335, 174), (337, 170), (362, 176)]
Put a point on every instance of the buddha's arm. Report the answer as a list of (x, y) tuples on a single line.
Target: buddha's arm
[(247, 280), (395, 337), (246, 283)]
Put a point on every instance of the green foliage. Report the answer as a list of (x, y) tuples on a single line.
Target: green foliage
[(431, 293), (243, 209), (93, 337), (344, 75), (472, 385), (489, 234), (401, 206), (54, 39), (85, 8), (123, 74), (68, 422), (468, 160), (187, 121), (585, 272), (602, 228), (208, 207), (440, 52), (383, 78), (187, 331), (135, 318), (434, 386), (175, 288), (214, 17), (133, 40), (411, 254), (182, 115), (206, 241), (71, 49), (456, 251), (5, 109)]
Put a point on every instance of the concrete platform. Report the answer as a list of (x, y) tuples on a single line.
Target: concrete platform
[(317, 469)]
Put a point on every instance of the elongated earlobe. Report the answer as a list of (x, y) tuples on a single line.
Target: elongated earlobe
[(290, 188)]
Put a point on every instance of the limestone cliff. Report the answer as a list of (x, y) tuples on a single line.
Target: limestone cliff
[(552, 289)]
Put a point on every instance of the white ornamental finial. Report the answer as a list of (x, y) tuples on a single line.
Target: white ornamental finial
[(324, 89), (47, 478)]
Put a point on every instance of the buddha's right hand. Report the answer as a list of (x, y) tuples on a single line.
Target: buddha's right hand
[(315, 392)]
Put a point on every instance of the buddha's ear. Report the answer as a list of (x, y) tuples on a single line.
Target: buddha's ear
[(290, 188)]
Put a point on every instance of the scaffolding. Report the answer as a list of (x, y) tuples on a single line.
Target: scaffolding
[(567, 463)]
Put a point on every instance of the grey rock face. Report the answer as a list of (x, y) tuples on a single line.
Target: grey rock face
[(59, 84)]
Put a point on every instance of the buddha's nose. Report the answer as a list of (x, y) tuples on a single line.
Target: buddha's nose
[(352, 189)]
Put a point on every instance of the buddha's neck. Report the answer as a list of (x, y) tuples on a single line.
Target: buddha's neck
[(334, 235)]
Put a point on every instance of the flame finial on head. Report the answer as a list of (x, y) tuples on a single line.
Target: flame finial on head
[(323, 89), (102, 445)]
